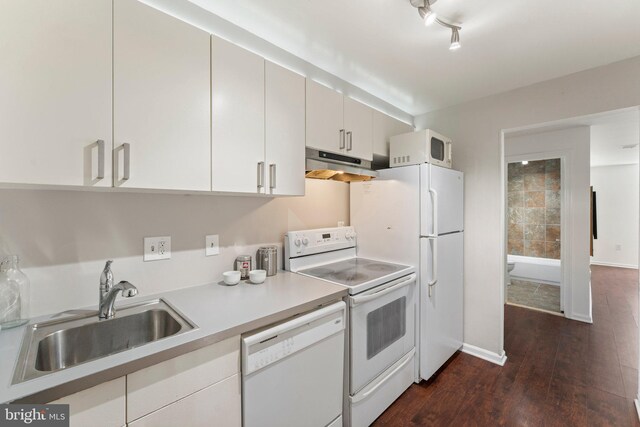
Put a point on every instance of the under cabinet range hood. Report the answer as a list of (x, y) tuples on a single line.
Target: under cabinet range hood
[(325, 165)]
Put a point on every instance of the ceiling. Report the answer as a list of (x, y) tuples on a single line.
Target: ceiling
[(382, 46), (609, 133)]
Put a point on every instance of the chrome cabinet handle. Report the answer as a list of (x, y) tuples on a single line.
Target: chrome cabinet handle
[(272, 176), (127, 161), (100, 143), (349, 140), (341, 139), (260, 175)]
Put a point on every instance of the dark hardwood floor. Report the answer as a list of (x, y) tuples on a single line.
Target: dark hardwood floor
[(558, 372)]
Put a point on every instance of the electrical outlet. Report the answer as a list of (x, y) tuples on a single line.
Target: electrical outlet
[(211, 245), (157, 248), (618, 247)]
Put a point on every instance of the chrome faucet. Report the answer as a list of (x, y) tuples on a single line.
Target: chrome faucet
[(109, 292)]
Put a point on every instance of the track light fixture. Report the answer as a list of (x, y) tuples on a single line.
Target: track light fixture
[(455, 39), (429, 17)]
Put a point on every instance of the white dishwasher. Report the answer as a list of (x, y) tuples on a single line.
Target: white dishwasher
[(292, 373)]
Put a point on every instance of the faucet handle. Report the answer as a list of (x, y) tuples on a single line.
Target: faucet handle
[(106, 278)]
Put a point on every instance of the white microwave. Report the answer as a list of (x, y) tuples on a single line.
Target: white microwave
[(423, 146)]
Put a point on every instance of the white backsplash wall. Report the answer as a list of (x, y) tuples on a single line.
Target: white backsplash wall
[(64, 237)]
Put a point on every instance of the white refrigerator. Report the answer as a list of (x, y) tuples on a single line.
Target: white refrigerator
[(414, 215)]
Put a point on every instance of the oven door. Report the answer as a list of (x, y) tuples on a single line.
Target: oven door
[(382, 326)]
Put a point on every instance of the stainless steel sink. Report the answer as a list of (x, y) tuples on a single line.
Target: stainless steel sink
[(59, 344)]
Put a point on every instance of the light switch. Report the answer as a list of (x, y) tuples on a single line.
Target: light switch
[(211, 245)]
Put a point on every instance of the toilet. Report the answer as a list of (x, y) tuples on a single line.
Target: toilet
[(510, 267)]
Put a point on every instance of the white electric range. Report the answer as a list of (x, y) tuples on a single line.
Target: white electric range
[(382, 315)]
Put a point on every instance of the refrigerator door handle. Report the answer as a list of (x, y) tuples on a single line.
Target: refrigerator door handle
[(434, 196), (434, 264)]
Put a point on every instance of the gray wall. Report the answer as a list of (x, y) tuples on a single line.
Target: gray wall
[(64, 237)]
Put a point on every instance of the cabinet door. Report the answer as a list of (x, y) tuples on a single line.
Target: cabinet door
[(159, 385), (100, 406), (55, 92), (325, 125), (161, 100), (358, 122), (237, 84), (284, 130), (218, 405), (384, 127)]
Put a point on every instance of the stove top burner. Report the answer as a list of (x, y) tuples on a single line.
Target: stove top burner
[(354, 271)]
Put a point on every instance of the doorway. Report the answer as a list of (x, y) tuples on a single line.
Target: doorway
[(534, 202), (574, 142)]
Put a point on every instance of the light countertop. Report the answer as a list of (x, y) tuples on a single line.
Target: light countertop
[(218, 311)]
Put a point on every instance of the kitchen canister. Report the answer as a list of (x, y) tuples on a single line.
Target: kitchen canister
[(243, 265), (267, 259)]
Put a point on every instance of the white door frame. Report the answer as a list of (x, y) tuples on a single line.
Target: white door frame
[(566, 157)]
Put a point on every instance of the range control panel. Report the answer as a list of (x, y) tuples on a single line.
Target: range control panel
[(309, 242)]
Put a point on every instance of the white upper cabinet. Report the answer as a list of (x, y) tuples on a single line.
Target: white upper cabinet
[(284, 131), (358, 124), (161, 101), (238, 124), (338, 124), (384, 127), (55, 92), (325, 119)]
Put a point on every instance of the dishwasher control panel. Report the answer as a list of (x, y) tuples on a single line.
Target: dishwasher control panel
[(271, 345)]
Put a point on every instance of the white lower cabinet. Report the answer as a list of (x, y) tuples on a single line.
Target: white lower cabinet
[(216, 405), (200, 388), (159, 386), (99, 406)]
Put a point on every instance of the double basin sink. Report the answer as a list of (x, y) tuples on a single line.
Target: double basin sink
[(58, 344)]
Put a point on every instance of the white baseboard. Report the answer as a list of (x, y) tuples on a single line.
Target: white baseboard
[(579, 317), (613, 264), (489, 356), (637, 407)]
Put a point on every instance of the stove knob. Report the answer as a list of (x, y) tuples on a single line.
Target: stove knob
[(305, 241), (297, 241), (348, 235)]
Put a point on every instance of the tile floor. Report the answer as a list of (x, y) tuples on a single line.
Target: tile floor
[(534, 295)]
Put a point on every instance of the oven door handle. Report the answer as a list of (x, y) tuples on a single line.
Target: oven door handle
[(400, 283)]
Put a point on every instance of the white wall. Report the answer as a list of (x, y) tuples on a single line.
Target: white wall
[(476, 131), (616, 190), (572, 146), (64, 237)]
